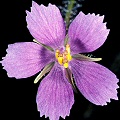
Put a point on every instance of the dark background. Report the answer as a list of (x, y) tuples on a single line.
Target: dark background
[(18, 97)]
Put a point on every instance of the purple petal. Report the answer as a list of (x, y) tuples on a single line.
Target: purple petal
[(25, 59), (55, 95), (95, 82), (46, 24), (87, 33)]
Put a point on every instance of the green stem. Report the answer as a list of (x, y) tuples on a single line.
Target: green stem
[(67, 16)]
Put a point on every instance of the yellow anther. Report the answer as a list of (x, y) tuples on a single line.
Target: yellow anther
[(65, 57), (68, 48), (57, 53), (66, 65), (60, 59), (69, 57)]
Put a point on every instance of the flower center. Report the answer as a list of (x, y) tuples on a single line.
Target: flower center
[(64, 57)]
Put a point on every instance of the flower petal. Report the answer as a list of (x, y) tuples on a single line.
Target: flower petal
[(55, 95), (87, 33), (25, 59), (95, 82), (46, 24)]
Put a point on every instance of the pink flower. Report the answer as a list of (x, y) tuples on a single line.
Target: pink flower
[(55, 94)]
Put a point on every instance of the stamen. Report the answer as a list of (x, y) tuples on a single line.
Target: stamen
[(60, 59), (68, 48), (64, 57), (57, 53), (65, 65)]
